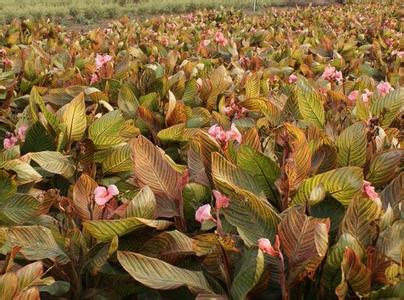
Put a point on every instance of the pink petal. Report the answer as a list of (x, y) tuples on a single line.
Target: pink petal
[(203, 214), (21, 132), (100, 191), (102, 200), (113, 190), (221, 200), (266, 247)]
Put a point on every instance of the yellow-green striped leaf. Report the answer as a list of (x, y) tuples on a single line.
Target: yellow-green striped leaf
[(160, 275), (342, 184), (74, 117), (384, 167), (388, 107), (36, 242), (54, 162), (309, 103), (351, 145), (118, 160)]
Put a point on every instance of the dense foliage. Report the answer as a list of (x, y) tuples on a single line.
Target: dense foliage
[(213, 155)]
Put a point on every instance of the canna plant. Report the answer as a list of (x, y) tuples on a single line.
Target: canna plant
[(170, 159)]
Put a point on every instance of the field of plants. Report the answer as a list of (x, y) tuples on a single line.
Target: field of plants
[(210, 155)]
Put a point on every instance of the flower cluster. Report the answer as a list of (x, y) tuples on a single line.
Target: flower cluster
[(331, 74), (220, 39), (100, 62), (12, 139), (384, 88), (223, 136), (102, 195), (355, 94)]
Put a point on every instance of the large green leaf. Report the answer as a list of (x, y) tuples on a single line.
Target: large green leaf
[(393, 194), (35, 97), (104, 132), (251, 269), (359, 220), (169, 244), (309, 102), (304, 240), (127, 101), (384, 167), (152, 168), (118, 160), (331, 275), (342, 184), (226, 175), (38, 139), (388, 107), (18, 209), (391, 240), (253, 216), (36, 242), (158, 274), (8, 186), (74, 117), (263, 168), (106, 230), (355, 275), (54, 162), (142, 205), (351, 145), (25, 172)]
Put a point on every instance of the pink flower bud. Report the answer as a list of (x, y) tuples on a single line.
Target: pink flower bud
[(221, 200), (292, 78), (203, 214), (266, 247)]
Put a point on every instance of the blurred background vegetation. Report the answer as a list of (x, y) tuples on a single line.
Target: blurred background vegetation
[(90, 11), (94, 11)]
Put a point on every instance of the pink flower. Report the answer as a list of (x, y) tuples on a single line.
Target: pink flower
[(165, 42), (203, 214), (101, 60), (384, 88), (7, 62), (369, 191), (94, 78), (220, 39), (266, 247), (331, 74), (3, 52), (221, 200), (366, 95), (353, 96), (223, 136), (21, 132), (103, 195), (328, 73), (9, 141), (338, 76), (292, 78), (234, 134), (204, 43)]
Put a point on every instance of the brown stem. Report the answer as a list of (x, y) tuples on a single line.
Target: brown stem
[(285, 293)]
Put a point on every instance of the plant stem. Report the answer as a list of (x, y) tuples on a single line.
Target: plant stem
[(285, 293)]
